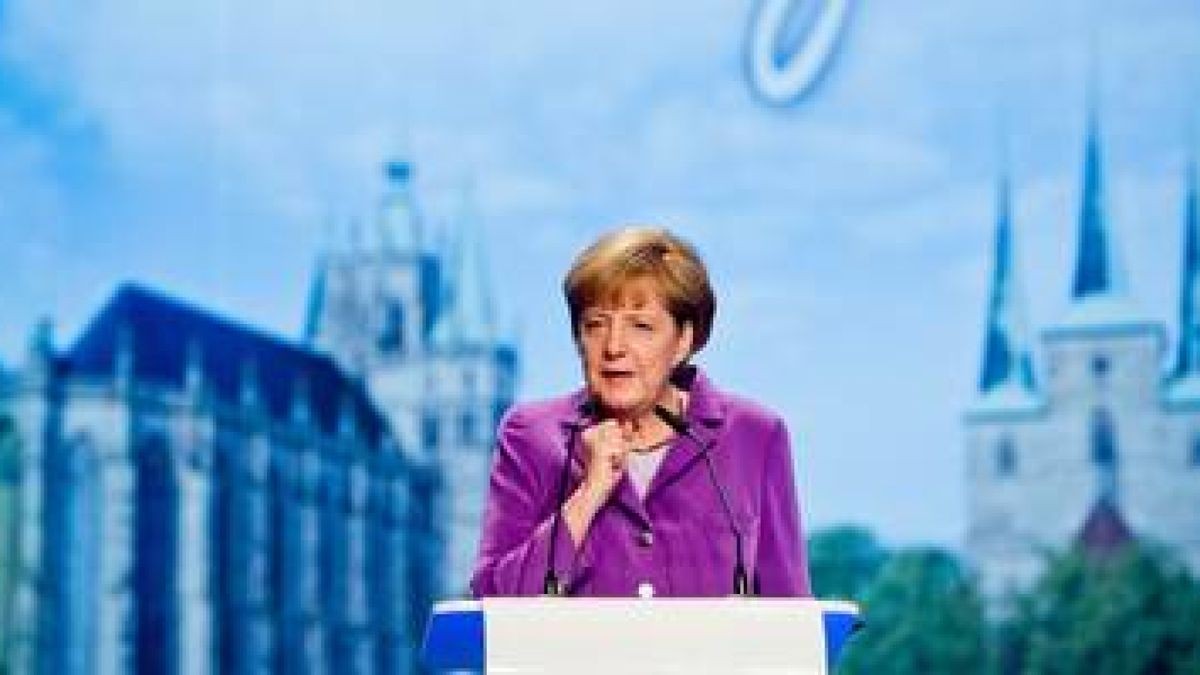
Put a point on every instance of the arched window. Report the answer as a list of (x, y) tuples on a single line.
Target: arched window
[(334, 550), (466, 426), (391, 338), (382, 566), (231, 541), (286, 561), (156, 557), (430, 428), (1104, 451), (71, 552), (1006, 458), (10, 453)]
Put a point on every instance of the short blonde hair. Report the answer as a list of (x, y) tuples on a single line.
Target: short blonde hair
[(602, 271)]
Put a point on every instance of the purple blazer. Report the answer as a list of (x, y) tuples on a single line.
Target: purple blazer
[(677, 539)]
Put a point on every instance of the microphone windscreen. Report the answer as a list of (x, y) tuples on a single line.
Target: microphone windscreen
[(589, 408), (677, 423)]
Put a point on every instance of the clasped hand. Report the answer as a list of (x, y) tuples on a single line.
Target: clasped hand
[(606, 451)]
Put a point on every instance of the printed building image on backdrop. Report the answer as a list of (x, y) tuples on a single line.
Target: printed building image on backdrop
[(185, 493), (1102, 443), (254, 444)]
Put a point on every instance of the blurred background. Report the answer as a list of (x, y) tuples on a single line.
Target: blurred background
[(272, 271)]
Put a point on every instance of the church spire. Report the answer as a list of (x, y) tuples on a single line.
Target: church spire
[(1095, 269), (399, 227), (468, 319), (1006, 357), (1187, 359), (316, 301), (1100, 298)]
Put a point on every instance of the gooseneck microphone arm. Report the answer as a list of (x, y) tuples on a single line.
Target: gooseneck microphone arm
[(551, 584), (741, 581)]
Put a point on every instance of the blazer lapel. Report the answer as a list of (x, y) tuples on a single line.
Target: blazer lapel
[(705, 416), (683, 455)]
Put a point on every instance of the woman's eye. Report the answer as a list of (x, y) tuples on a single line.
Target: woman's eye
[(642, 325)]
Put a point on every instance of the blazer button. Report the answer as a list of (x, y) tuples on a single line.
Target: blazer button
[(646, 538)]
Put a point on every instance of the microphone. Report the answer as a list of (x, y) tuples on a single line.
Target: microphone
[(741, 583), (551, 585)]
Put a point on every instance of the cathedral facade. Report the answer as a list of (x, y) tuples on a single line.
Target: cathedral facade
[(1099, 416), (187, 494)]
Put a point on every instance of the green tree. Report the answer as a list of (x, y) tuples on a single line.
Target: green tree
[(1133, 611), (923, 615), (843, 560)]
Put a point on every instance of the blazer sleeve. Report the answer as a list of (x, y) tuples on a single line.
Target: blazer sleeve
[(518, 515), (782, 565)]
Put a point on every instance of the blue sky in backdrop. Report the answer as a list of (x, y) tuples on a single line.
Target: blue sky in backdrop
[(207, 147)]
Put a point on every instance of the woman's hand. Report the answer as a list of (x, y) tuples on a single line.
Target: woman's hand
[(606, 450)]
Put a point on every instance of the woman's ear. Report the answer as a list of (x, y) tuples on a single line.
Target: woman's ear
[(683, 348)]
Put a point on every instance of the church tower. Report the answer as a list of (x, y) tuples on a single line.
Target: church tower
[(1103, 427), (374, 300), (374, 293), (1104, 359), (409, 312), (1001, 418)]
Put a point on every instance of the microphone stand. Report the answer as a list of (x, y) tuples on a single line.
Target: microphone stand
[(741, 581), (551, 585)]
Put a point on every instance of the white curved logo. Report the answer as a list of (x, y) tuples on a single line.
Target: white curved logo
[(785, 78)]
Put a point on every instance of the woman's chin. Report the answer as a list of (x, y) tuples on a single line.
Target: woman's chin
[(622, 407), (622, 399)]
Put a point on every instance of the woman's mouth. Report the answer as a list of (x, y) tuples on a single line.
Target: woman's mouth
[(616, 375)]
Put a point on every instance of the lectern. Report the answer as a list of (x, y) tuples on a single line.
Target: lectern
[(618, 635)]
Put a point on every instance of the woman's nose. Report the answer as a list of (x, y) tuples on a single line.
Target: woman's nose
[(614, 342)]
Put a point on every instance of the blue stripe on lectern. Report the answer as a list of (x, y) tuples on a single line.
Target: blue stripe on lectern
[(458, 642), (839, 626)]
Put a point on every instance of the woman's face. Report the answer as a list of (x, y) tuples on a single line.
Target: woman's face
[(629, 349)]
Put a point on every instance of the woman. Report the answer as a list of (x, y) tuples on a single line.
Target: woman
[(640, 512)]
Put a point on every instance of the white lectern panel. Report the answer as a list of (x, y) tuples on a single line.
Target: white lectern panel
[(619, 636)]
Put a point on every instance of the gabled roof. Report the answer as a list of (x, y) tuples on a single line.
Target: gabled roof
[(162, 331), (1104, 531)]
